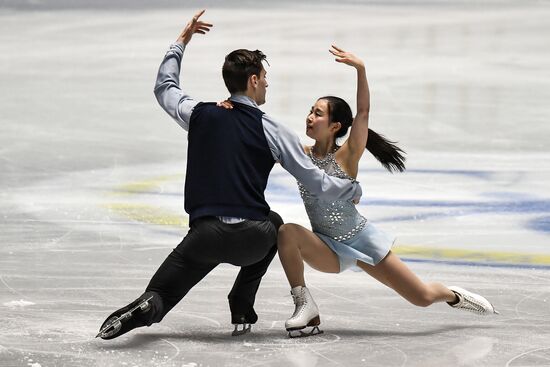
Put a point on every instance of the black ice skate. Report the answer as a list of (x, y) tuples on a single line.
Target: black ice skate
[(125, 319), (241, 326), (242, 316)]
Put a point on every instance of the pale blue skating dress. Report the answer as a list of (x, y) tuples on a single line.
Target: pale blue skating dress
[(341, 226)]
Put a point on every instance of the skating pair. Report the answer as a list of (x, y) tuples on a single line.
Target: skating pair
[(306, 312)]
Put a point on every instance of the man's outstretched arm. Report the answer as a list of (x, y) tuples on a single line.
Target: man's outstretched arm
[(170, 96)]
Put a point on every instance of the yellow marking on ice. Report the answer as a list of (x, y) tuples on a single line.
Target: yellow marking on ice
[(145, 186), (471, 255), (155, 215), (148, 214), (143, 212)]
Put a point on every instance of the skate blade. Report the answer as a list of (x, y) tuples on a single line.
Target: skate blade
[(245, 329), (316, 321), (304, 334), (112, 327)]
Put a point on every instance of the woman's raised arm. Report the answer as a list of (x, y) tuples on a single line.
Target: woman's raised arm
[(360, 127)]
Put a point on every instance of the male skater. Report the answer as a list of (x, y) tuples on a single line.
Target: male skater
[(230, 155)]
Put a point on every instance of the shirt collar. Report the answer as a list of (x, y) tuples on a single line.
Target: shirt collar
[(241, 98)]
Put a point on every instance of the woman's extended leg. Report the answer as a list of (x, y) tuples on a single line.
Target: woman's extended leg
[(297, 244), (396, 274)]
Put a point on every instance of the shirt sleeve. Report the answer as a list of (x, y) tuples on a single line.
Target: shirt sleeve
[(286, 148), (170, 96)]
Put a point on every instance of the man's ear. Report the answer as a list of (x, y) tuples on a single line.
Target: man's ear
[(253, 80)]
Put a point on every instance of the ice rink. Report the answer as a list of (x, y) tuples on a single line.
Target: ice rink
[(92, 173)]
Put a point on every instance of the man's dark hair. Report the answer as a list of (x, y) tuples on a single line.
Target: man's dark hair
[(239, 65)]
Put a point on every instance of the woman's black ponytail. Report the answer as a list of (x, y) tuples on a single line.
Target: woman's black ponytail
[(390, 155), (386, 152)]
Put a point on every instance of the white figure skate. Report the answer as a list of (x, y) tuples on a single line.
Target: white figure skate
[(306, 314), (472, 302)]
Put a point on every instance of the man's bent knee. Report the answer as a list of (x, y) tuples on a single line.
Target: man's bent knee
[(275, 219)]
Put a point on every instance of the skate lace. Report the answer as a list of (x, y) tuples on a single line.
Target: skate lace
[(300, 301), (471, 304)]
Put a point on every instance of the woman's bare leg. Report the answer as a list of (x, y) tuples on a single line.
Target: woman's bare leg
[(396, 274), (297, 244)]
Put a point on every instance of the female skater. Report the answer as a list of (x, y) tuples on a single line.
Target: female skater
[(341, 237)]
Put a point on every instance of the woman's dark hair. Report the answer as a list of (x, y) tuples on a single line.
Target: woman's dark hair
[(239, 65), (390, 155)]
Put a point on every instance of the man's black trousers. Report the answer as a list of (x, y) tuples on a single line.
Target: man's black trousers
[(209, 242)]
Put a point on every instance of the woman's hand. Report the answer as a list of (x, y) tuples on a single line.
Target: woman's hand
[(225, 104), (346, 57), (194, 26)]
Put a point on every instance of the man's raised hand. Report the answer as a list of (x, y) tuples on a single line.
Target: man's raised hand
[(194, 26)]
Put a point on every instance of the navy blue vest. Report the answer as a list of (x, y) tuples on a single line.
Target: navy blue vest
[(228, 163)]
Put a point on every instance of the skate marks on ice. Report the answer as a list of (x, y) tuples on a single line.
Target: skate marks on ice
[(532, 357), (271, 347), (47, 349), (365, 326), (258, 348), (200, 346)]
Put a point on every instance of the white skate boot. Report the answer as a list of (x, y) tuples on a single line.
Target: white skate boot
[(472, 302), (306, 314)]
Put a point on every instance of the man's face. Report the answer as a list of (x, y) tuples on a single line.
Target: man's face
[(261, 88)]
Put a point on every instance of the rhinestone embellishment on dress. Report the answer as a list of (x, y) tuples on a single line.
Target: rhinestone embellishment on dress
[(339, 219)]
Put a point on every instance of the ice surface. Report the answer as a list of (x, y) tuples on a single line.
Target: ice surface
[(92, 171), (20, 303)]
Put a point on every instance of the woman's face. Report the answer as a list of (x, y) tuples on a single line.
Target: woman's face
[(317, 121)]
